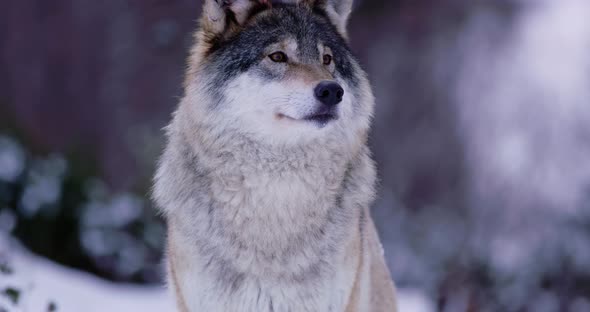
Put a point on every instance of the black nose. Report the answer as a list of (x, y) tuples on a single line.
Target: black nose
[(329, 92)]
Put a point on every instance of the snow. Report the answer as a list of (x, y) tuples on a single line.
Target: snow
[(43, 282), (11, 159), (414, 300)]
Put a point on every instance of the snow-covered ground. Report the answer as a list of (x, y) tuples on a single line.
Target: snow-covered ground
[(42, 283), (413, 300)]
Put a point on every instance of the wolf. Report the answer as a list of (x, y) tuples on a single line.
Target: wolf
[(266, 180)]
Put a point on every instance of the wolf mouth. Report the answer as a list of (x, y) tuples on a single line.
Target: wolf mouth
[(322, 118), (319, 119)]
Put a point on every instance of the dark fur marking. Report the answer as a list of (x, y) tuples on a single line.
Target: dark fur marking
[(259, 292), (238, 280), (228, 275), (209, 262), (362, 225)]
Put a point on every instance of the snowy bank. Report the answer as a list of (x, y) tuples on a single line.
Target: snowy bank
[(43, 285)]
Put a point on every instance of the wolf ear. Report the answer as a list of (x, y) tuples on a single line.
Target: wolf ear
[(220, 16), (338, 11)]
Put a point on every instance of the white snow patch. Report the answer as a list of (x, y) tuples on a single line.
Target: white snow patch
[(414, 300), (12, 159), (43, 282)]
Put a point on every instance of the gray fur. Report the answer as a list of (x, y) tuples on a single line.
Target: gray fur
[(257, 223)]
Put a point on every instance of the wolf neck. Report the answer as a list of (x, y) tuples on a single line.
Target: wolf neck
[(250, 223), (277, 211)]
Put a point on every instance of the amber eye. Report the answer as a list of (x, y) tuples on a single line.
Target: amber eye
[(327, 59), (278, 57)]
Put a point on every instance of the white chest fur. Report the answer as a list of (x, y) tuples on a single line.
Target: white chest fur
[(247, 234), (265, 242), (201, 289)]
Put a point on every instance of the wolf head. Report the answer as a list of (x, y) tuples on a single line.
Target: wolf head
[(279, 73)]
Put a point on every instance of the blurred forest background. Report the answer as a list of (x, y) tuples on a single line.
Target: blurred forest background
[(482, 138)]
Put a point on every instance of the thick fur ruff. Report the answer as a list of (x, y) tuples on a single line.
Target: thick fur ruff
[(267, 213)]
